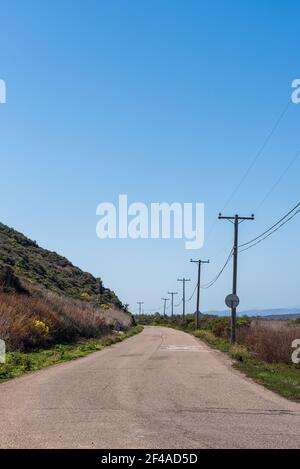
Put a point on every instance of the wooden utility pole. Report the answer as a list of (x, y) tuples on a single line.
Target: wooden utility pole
[(172, 293), (199, 262), (183, 280), (140, 303), (165, 305), (236, 219)]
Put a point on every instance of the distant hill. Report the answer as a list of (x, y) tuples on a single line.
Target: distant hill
[(47, 268), (272, 313)]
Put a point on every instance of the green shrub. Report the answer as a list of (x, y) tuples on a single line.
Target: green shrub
[(239, 352), (107, 341)]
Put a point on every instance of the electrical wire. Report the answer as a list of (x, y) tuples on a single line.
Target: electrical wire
[(258, 154), (271, 228), (216, 278), (275, 227), (272, 232), (278, 181), (178, 304), (192, 293)]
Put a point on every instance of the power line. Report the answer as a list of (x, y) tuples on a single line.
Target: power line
[(264, 235), (216, 278), (272, 232), (258, 154), (271, 228), (249, 244), (178, 304), (278, 181), (255, 158), (192, 295)]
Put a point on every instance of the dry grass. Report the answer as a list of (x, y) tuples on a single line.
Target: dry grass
[(270, 341), (67, 319)]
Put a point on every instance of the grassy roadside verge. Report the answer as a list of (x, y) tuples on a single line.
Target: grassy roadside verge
[(278, 377), (18, 363)]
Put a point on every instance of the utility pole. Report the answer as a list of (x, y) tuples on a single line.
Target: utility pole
[(199, 262), (172, 293), (183, 280), (165, 304), (140, 303), (236, 220)]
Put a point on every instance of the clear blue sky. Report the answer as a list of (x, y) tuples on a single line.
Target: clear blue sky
[(163, 101)]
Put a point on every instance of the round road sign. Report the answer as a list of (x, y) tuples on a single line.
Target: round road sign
[(232, 301)]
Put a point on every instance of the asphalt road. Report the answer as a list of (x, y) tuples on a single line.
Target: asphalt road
[(159, 389)]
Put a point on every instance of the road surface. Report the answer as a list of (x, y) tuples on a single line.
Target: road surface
[(159, 389)]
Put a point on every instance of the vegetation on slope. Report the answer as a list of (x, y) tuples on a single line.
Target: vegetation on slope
[(45, 300), (41, 318), (28, 260), (18, 363)]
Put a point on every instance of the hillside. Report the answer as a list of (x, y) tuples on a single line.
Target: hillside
[(45, 300), (49, 269)]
